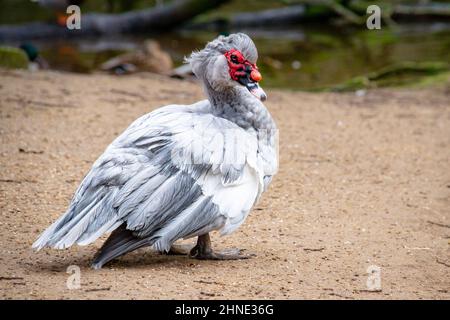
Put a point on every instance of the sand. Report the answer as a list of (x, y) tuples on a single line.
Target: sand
[(363, 184)]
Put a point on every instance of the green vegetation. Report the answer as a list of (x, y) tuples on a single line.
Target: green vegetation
[(13, 58), (406, 73), (303, 57)]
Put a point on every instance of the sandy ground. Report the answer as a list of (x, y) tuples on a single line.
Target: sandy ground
[(364, 182)]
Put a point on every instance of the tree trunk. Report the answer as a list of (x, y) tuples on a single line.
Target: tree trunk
[(287, 15), (147, 20), (299, 11)]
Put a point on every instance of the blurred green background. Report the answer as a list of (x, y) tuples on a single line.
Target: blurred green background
[(307, 56)]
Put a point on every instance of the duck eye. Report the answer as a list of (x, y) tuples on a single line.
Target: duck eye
[(234, 58)]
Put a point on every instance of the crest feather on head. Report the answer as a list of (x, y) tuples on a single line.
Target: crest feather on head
[(240, 41)]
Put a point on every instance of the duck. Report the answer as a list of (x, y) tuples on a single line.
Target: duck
[(149, 58), (36, 61), (180, 171)]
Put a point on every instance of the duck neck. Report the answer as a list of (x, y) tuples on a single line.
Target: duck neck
[(239, 106)]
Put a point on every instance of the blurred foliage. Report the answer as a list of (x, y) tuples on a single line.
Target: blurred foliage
[(303, 57), (20, 11), (14, 12), (293, 59), (329, 58)]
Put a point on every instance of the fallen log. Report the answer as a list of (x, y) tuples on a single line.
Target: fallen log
[(147, 20), (300, 11), (405, 11), (286, 15), (290, 15)]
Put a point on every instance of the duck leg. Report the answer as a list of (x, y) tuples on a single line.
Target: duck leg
[(204, 251)]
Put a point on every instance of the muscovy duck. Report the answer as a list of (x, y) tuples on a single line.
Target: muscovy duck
[(182, 170)]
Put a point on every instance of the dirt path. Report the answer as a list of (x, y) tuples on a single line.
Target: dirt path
[(364, 181)]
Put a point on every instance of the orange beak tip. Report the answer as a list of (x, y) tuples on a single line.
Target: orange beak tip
[(256, 76)]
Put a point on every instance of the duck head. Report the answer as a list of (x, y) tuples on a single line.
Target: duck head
[(229, 62)]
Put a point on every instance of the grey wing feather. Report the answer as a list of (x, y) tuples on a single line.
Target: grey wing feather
[(120, 241), (89, 214)]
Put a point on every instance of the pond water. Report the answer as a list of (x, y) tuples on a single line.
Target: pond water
[(303, 57)]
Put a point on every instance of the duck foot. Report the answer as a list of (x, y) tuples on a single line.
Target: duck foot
[(203, 251)]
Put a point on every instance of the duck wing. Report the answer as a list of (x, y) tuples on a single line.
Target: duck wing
[(174, 173)]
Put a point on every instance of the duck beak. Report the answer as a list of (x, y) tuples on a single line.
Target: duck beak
[(250, 80), (253, 87), (256, 90)]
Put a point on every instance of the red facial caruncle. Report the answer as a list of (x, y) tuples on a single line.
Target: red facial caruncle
[(240, 67)]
